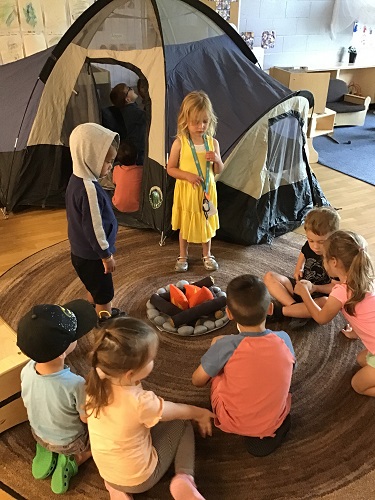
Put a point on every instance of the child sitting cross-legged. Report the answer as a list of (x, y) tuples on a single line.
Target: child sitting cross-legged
[(319, 224), (251, 371), (54, 397)]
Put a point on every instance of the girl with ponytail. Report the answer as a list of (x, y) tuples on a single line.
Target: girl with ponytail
[(345, 256), (135, 435)]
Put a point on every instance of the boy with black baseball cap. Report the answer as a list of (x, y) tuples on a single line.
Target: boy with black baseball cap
[(54, 397)]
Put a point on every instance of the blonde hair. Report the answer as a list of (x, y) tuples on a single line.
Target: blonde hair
[(192, 106), (123, 344), (322, 221), (351, 250)]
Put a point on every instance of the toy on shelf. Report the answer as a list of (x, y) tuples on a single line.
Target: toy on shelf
[(188, 309)]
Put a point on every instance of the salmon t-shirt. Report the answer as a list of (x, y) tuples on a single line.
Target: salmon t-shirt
[(120, 436), (128, 181)]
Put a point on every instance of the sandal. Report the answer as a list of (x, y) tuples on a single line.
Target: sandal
[(210, 263), (44, 462), (65, 469), (181, 265), (116, 313)]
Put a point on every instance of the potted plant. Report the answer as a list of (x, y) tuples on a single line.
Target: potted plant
[(352, 54)]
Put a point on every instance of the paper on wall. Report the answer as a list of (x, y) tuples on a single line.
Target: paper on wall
[(55, 16), (76, 7), (34, 42), (11, 48), (31, 16), (8, 16)]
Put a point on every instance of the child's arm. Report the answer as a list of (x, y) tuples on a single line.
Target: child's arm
[(298, 271), (215, 157), (179, 411), (173, 166), (83, 418), (326, 289), (200, 378), (321, 315)]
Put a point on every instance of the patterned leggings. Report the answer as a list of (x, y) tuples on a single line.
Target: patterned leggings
[(171, 440)]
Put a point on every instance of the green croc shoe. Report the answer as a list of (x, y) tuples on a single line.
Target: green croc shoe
[(44, 462), (65, 469)]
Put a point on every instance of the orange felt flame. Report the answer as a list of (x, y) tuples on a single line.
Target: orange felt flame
[(178, 298), (191, 290), (203, 295)]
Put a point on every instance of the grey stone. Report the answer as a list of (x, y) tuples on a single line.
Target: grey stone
[(161, 290), (152, 313), (159, 320), (185, 330), (221, 294), (181, 284), (209, 324), (169, 328), (149, 305), (198, 330), (219, 323)]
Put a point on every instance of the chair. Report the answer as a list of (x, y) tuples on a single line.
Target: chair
[(350, 109)]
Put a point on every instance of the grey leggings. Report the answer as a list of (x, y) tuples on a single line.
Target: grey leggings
[(171, 440)]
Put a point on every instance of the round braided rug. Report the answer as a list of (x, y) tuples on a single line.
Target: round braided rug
[(329, 450)]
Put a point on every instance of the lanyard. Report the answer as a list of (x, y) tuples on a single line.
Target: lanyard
[(206, 182)]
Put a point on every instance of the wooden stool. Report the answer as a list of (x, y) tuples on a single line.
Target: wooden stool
[(12, 410)]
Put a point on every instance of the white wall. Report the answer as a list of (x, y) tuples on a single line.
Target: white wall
[(302, 31)]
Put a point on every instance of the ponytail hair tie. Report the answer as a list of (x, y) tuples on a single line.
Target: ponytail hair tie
[(100, 373)]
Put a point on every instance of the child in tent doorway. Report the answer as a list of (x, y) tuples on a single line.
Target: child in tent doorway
[(127, 177), (319, 224), (53, 396), (235, 365), (345, 255), (92, 225), (193, 161), (135, 435)]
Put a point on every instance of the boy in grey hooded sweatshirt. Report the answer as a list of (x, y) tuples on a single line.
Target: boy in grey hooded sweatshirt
[(92, 225)]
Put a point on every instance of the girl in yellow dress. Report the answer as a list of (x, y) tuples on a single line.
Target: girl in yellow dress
[(193, 161)]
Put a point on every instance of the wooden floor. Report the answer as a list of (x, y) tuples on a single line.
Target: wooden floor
[(28, 232)]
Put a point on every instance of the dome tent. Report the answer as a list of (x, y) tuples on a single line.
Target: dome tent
[(178, 46)]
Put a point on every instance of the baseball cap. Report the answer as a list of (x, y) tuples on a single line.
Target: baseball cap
[(47, 330)]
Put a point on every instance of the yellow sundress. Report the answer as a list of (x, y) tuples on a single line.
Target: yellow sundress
[(187, 213)]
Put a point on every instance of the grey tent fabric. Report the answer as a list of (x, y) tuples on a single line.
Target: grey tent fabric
[(177, 46)]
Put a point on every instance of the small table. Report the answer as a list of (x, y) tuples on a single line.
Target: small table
[(319, 124)]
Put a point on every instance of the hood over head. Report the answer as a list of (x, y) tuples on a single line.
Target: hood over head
[(89, 144)]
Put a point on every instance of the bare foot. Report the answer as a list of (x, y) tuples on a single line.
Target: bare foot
[(349, 332)]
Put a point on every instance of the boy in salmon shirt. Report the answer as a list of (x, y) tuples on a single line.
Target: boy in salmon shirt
[(251, 371)]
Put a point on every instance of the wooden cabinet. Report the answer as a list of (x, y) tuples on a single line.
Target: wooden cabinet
[(12, 410), (298, 79), (361, 76)]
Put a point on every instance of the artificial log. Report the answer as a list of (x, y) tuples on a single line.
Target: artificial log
[(163, 305), (204, 309)]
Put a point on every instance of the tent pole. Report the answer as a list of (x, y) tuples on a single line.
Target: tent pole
[(4, 211), (162, 239)]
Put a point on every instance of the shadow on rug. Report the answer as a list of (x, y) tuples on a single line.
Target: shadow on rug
[(329, 446)]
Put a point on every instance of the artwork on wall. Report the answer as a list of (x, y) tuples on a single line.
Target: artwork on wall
[(29, 26), (268, 39), (248, 36)]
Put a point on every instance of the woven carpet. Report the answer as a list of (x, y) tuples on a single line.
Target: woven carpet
[(329, 451), (355, 154)]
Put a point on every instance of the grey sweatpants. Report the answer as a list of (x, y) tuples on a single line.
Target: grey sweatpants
[(171, 440)]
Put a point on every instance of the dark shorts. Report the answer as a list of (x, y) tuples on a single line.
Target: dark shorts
[(261, 447), (297, 298), (91, 273)]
